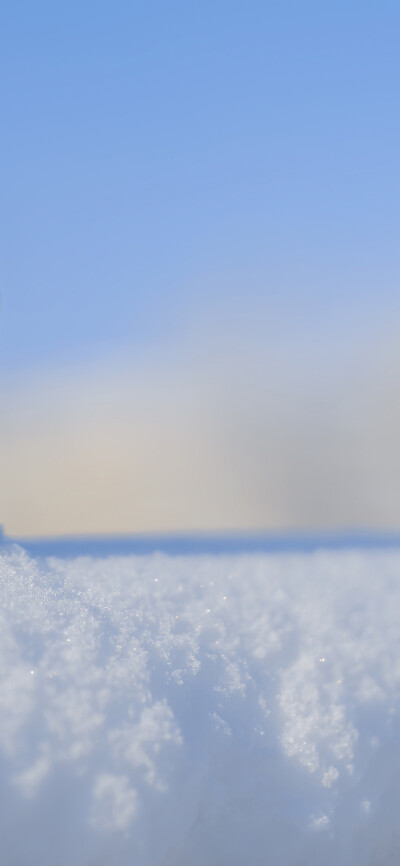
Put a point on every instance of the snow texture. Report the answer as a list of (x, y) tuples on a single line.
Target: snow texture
[(180, 711)]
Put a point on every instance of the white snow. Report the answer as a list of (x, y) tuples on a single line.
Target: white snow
[(181, 711)]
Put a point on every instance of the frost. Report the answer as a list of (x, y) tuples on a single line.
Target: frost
[(197, 709)]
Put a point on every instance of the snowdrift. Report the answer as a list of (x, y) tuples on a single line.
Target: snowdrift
[(180, 711)]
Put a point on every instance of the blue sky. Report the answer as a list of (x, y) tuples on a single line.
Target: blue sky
[(193, 171), (157, 151)]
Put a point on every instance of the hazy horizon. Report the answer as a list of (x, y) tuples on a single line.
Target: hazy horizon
[(199, 302)]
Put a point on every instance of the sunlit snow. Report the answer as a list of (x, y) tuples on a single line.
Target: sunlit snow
[(180, 711)]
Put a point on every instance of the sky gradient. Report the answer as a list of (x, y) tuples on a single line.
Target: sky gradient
[(200, 266)]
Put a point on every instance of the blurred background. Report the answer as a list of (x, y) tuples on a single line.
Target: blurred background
[(200, 266)]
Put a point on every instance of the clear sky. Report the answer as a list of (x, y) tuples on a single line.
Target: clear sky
[(199, 213)]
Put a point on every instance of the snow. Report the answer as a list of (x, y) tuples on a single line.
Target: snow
[(181, 710)]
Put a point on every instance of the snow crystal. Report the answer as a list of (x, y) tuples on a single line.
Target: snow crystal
[(176, 711)]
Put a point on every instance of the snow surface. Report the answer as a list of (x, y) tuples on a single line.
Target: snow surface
[(183, 711)]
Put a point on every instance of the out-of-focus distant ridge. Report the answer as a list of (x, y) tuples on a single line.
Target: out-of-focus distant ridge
[(195, 543)]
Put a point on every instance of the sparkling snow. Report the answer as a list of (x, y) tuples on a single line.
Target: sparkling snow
[(180, 711)]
